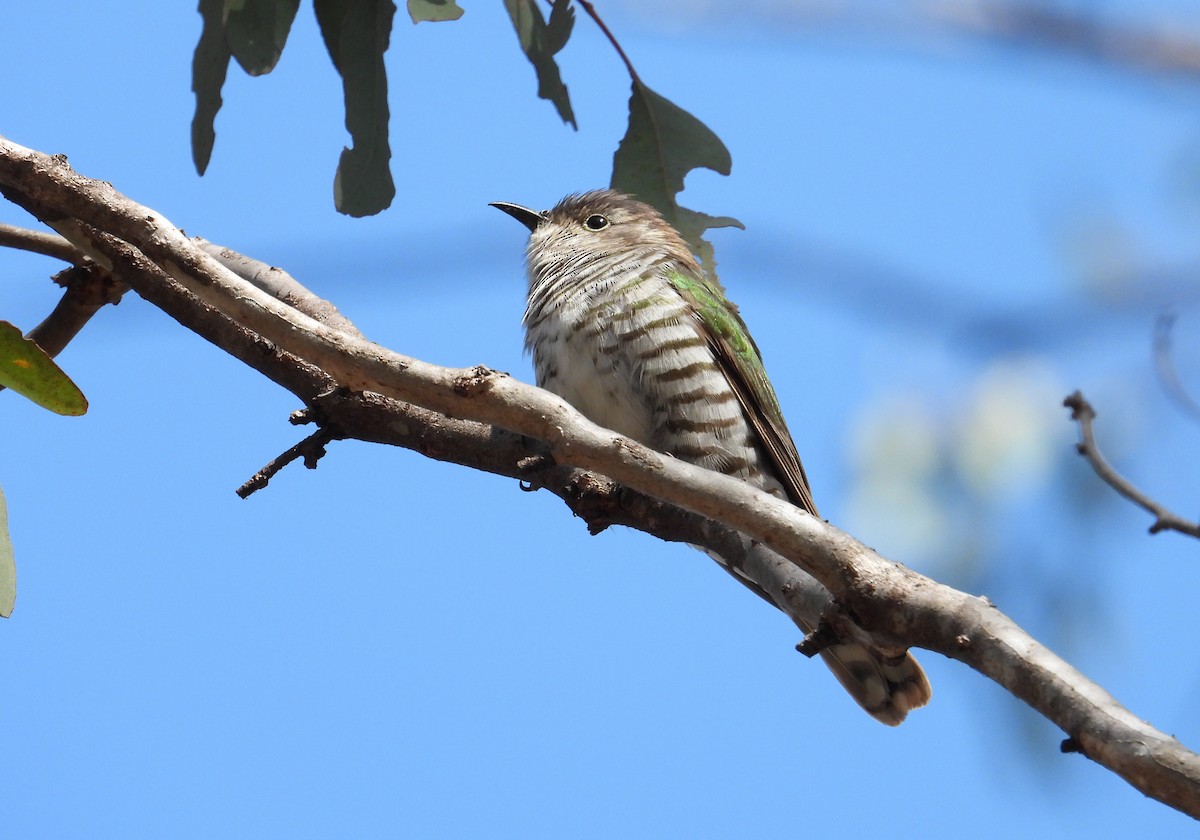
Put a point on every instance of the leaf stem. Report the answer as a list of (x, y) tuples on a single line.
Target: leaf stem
[(591, 12)]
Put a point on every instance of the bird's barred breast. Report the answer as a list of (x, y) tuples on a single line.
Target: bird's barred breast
[(635, 360)]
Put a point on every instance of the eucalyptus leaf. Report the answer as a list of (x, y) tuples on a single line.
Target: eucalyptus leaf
[(540, 41), (257, 30), (26, 369), (356, 33), (210, 65), (661, 146), (433, 10)]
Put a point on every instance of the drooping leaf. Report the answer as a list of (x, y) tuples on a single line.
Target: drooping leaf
[(433, 10), (26, 369), (661, 146), (540, 41), (257, 30), (8, 565), (209, 67), (356, 33), (558, 28)]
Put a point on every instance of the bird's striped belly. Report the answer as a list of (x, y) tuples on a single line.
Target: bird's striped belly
[(644, 369)]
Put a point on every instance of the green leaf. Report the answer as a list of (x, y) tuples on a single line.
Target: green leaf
[(662, 145), (558, 29), (209, 66), (540, 41), (8, 566), (433, 10), (257, 30), (356, 33), (26, 369)]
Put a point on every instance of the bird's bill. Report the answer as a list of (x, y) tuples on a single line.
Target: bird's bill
[(530, 218)]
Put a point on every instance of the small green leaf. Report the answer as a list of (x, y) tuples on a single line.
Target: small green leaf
[(257, 30), (356, 33), (209, 67), (26, 369), (540, 41), (433, 10), (662, 145), (8, 565), (558, 29)]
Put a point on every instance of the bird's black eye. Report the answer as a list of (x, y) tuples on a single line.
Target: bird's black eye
[(596, 222)]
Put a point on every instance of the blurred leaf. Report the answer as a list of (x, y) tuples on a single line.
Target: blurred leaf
[(26, 369), (558, 30), (433, 10), (209, 66), (664, 143), (356, 32), (540, 41), (256, 31), (8, 566)]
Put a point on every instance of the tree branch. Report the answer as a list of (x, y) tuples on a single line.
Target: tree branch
[(486, 420), (1164, 520), (279, 284), (38, 242), (88, 287)]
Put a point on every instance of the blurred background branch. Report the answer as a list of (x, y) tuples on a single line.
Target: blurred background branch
[(1084, 414), (1111, 33), (1087, 30)]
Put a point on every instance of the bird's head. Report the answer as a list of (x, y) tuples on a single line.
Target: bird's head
[(599, 230)]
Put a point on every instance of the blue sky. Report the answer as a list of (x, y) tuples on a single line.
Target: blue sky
[(390, 647)]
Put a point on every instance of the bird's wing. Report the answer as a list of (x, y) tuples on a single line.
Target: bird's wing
[(741, 362)]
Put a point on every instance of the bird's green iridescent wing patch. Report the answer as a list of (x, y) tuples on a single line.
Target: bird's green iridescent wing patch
[(741, 361)]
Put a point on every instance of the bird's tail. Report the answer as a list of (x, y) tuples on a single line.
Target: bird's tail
[(888, 688)]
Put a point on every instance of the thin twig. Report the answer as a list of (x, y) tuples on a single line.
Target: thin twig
[(312, 449), (40, 242), (1164, 520)]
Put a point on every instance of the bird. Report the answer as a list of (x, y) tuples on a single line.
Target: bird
[(624, 323)]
